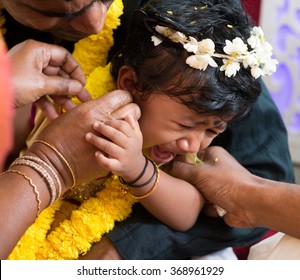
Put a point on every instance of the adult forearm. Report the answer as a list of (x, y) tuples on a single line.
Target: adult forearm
[(273, 204), (19, 202), (31, 183), (21, 131)]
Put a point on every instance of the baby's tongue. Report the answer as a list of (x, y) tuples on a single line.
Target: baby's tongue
[(160, 155)]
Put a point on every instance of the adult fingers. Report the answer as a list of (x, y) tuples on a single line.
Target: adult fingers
[(182, 170), (55, 71), (119, 105), (60, 57), (131, 109), (47, 108), (109, 105), (55, 85), (210, 210)]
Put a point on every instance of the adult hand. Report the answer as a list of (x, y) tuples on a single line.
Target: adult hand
[(222, 181), (67, 134), (41, 69)]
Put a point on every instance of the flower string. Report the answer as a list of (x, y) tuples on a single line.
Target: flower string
[(236, 52), (95, 217)]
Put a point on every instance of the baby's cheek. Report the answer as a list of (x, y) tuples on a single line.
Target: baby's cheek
[(205, 143)]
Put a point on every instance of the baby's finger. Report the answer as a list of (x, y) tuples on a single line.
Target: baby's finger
[(105, 145), (117, 131), (106, 162), (133, 123)]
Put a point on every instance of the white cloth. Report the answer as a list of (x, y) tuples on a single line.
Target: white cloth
[(225, 254), (277, 247)]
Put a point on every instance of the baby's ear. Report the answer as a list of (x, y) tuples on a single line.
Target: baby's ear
[(127, 78)]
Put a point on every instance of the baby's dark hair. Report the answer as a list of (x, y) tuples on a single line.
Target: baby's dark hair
[(163, 68)]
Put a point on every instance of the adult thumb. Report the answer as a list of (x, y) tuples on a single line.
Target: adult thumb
[(181, 170), (61, 86)]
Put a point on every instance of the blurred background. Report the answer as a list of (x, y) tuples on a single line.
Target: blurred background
[(280, 21)]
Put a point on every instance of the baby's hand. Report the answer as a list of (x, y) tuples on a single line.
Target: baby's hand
[(120, 147)]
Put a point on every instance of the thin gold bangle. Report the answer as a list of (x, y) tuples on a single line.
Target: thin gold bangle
[(37, 194), (153, 187), (61, 156), (43, 172), (38, 160)]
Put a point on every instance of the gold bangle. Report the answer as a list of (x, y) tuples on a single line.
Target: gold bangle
[(43, 172), (38, 160), (62, 157), (153, 187), (37, 194)]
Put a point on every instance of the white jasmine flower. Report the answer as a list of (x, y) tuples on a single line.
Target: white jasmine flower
[(230, 67), (257, 31), (257, 37), (156, 41), (192, 45), (235, 54), (201, 61), (235, 48), (256, 72), (265, 51), (177, 37), (207, 46), (267, 47), (166, 31), (251, 60), (270, 67)]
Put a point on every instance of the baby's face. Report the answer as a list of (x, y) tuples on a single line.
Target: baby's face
[(170, 128), (70, 20)]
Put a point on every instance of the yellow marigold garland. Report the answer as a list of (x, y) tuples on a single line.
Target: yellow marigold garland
[(95, 216), (92, 51)]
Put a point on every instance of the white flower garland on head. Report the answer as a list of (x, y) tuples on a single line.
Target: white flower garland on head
[(236, 52)]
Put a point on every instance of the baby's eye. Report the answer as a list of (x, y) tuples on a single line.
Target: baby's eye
[(184, 126), (212, 132)]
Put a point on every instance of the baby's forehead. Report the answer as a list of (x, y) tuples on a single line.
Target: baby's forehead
[(194, 118)]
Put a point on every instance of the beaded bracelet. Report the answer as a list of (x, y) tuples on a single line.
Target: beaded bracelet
[(43, 172), (138, 178), (38, 160), (156, 171), (62, 158), (34, 187)]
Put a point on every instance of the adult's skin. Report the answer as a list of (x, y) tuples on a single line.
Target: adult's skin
[(18, 206), (62, 21), (262, 151), (46, 70), (67, 20), (249, 200), (40, 70)]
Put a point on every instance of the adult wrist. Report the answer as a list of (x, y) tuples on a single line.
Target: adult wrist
[(252, 201), (55, 160)]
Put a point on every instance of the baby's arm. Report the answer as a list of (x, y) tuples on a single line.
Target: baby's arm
[(175, 202)]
